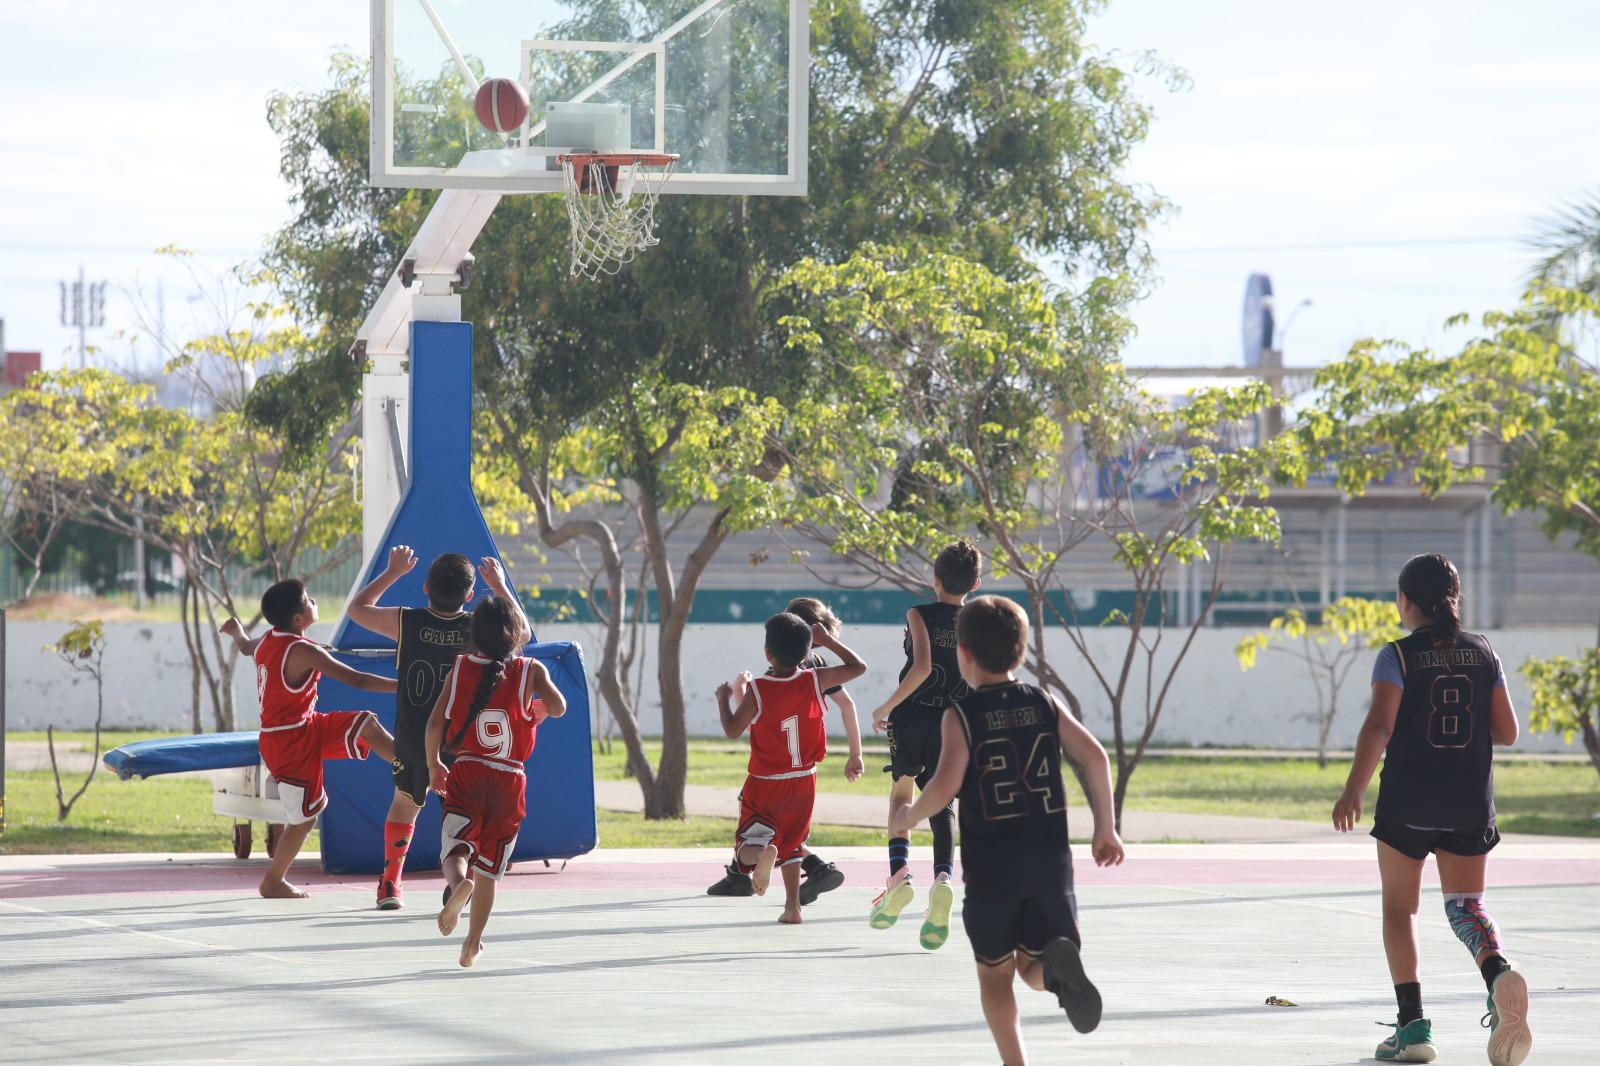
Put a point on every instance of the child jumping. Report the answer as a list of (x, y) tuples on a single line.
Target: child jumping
[(929, 682), (783, 710), (488, 716), (1001, 753), (816, 875), (1439, 705), (295, 736), (427, 641)]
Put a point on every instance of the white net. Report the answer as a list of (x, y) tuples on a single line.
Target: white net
[(612, 207)]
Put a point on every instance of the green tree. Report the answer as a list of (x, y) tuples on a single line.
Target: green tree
[(989, 128), (1347, 628), (1515, 408), (83, 648), (1566, 698), (995, 407)]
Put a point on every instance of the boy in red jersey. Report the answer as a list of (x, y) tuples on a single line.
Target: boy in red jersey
[(295, 736), (487, 717), (783, 710)]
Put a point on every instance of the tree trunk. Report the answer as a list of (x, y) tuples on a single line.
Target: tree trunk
[(1591, 740), (186, 617)]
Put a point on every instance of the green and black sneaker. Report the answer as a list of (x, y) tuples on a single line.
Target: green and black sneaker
[(1510, 1040), (1412, 1042)]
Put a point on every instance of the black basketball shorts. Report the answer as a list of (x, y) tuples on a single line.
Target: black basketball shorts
[(1419, 843)]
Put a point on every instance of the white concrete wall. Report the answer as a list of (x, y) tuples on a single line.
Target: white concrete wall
[(1211, 701)]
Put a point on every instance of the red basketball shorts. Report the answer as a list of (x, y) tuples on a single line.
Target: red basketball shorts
[(483, 811), (777, 812), (294, 758)]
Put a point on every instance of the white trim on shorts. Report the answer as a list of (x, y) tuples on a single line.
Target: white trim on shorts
[(811, 772)]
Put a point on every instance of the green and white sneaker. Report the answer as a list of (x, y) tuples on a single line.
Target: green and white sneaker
[(936, 923), (895, 897), (1507, 1020), (1412, 1042)]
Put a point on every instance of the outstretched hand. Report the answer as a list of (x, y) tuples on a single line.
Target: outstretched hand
[(493, 574), (401, 559), (233, 628)]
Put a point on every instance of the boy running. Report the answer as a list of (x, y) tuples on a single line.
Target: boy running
[(427, 641), (783, 710), (488, 716), (929, 682), (295, 736), (1002, 754), (816, 875), (1439, 706)]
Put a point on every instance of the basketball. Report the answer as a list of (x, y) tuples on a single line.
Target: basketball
[(501, 105)]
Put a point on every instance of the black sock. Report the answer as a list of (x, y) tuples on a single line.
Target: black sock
[(1493, 967), (899, 854), (809, 864), (943, 824), (1409, 996)]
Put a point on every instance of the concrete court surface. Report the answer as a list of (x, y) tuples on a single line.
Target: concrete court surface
[(622, 959)]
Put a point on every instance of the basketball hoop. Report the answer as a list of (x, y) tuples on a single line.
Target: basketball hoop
[(611, 203)]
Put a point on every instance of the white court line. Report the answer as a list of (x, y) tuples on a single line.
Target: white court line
[(144, 933)]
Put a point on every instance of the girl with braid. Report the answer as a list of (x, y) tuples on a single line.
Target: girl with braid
[(1439, 705), (487, 718)]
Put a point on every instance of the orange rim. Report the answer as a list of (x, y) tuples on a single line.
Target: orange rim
[(618, 159)]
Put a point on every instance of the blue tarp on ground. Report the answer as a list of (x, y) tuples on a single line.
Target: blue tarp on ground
[(177, 755)]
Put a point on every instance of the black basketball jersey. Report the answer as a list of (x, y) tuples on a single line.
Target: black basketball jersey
[(944, 684), (429, 644), (1013, 800), (1438, 766)]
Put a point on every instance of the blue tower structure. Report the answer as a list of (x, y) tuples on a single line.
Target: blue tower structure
[(439, 513)]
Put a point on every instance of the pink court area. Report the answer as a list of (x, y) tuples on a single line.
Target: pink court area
[(1573, 862), (622, 958)]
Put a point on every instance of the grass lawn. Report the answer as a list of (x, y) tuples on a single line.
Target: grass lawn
[(174, 814), (84, 741), (1532, 797), (160, 814)]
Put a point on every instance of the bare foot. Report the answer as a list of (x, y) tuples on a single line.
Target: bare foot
[(762, 875), (451, 914), (790, 917), (278, 888), (470, 950)]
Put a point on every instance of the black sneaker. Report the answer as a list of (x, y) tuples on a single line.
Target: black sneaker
[(1063, 975), (734, 883), (820, 878)]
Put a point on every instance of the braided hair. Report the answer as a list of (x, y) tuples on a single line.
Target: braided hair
[(1432, 583), (495, 633)]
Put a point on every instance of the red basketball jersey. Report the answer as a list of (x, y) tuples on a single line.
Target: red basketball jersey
[(787, 737), (503, 733), (282, 704)]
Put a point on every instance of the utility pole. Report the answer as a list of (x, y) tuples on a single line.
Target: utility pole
[(84, 306)]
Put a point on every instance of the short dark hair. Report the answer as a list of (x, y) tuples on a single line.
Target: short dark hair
[(281, 602), (994, 630), (813, 612), (957, 568), (788, 639), (450, 581)]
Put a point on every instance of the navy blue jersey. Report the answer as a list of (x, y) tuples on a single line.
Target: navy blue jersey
[(944, 684), (427, 649), (818, 661), (1438, 766), (1013, 799)]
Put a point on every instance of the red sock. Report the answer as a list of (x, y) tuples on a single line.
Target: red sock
[(396, 839)]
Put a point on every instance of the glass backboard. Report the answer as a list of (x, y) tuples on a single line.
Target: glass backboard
[(721, 83)]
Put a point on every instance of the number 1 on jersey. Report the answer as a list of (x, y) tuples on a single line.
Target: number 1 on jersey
[(791, 733)]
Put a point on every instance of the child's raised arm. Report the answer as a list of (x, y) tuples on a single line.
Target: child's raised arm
[(851, 666), (735, 721), (232, 629), (364, 610), (921, 670), (545, 691), (306, 657)]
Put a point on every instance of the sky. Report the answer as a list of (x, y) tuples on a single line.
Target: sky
[(1384, 161)]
